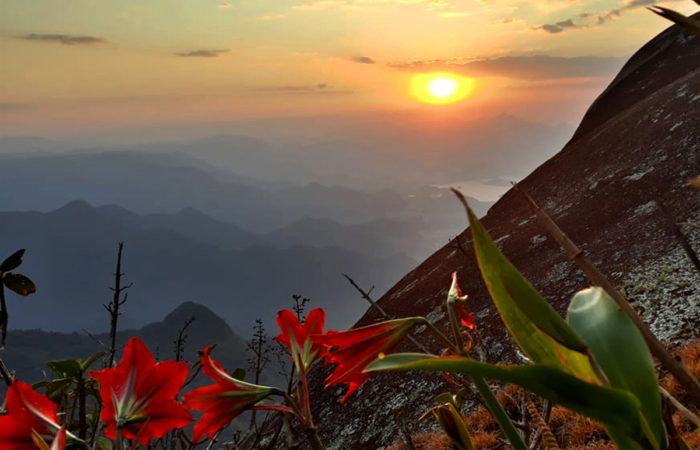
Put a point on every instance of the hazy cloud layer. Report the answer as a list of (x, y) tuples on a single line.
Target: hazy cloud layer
[(319, 88), (363, 60), (589, 19), (523, 67), (224, 5), (65, 39), (202, 53), (11, 107)]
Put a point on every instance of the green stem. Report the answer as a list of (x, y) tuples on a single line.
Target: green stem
[(499, 414), (438, 334), (455, 326), (314, 440), (119, 445)]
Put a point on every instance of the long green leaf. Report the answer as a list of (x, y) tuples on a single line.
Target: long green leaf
[(540, 332), (621, 352), (618, 410)]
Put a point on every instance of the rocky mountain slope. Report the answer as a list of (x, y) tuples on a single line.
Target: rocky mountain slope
[(636, 146)]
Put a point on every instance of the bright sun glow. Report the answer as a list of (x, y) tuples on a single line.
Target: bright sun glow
[(441, 88)]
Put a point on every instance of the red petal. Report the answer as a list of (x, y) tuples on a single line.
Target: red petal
[(465, 317), (15, 435), (31, 408), (59, 442), (314, 322), (153, 409)]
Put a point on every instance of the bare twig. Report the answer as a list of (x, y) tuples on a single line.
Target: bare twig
[(5, 372), (113, 306), (679, 406), (677, 368), (179, 343), (673, 226)]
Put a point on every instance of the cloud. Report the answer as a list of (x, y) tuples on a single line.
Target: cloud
[(595, 18), (11, 107), (363, 60), (268, 17), (529, 67), (202, 53), (558, 27), (319, 88), (224, 6), (65, 39), (454, 14)]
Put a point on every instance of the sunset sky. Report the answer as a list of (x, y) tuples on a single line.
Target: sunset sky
[(80, 64)]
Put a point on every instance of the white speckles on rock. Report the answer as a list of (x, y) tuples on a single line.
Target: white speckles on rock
[(436, 315), (500, 240), (646, 208), (639, 175), (675, 125), (666, 293), (537, 239)]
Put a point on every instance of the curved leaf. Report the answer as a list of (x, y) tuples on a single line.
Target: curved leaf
[(66, 368), (621, 351), (20, 284), (452, 423), (616, 409), (12, 262), (538, 330)]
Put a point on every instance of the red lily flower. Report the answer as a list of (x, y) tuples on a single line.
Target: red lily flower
[(59, 442), (456, 298), (355, 349), (295, 336), (27, 410), (138, 395), (224, 401)]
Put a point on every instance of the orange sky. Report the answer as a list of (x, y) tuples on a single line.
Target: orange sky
[(75, 65)]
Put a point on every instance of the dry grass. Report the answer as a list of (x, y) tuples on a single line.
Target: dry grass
[(690, 354), (425, 441)]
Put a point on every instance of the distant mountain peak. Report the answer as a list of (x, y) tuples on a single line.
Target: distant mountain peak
[(201, 313)]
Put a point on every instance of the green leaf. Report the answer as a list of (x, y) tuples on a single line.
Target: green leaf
[(19, 284), (66, 368), (620, 351), (452, 423), (540, 332), (617, 409), (12, 262), (239, 374), (85, 365), (103, 443), (689, 23), (445, 397)]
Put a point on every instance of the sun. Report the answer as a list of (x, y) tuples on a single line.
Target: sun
[(441, 88)]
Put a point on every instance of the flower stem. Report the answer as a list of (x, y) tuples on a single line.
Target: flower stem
[(455, 326), (119, 445), (314, 440), (441, 337)]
